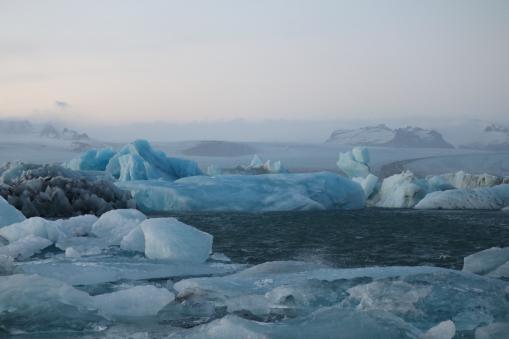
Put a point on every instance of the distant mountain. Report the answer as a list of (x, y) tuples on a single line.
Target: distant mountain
[(381, 135), (493, 137), (15, 126), (49, 131)]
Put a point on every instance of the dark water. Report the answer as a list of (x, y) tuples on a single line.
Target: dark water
[(366, 237)]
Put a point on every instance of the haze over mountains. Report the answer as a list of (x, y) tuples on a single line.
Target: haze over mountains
[(476, 135)]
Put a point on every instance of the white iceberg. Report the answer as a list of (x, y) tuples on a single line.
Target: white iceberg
[(369, 184), (403, 190), (25, 248), (168, 238), (252, 193), (489, 198), (133, 241), (9, 214), (115, 225)]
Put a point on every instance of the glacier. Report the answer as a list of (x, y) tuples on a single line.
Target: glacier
[(253, 193)]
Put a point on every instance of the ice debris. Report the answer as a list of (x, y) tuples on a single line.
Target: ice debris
[(256, 166)]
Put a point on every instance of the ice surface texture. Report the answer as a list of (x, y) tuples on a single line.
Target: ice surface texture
[(492, 262), (251, 193), (495, 197), (54, 191), (9, 214)]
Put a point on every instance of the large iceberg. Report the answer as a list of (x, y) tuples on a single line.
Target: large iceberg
[(139, 161), (91, 160), (135, 161), (251, 193), (9, 214), (487, 198)]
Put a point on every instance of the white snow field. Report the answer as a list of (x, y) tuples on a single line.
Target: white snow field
[(250, 193)]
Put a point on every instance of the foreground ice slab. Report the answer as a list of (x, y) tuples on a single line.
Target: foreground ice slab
[(489, 198), (401, 299), (110, 268), (9, 214), (168, 238), (252, 193), (30, 303)]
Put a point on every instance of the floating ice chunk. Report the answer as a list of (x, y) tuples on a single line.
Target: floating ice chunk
[(168, 238), (70, 252), (26, 247), (116, 224), (253, 193), (444, 330), (134, 241), (489, 262), (492, 198), (351, 167), (368, 184), (92, 160), (79, 226), (33, 226), (505, 209), (139, 301), (139, 161), (401, 191), (101, 269), (9, 214), (33, 303)]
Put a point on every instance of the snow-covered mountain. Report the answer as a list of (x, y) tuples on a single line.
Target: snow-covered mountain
[(381, 135), (493, 137)]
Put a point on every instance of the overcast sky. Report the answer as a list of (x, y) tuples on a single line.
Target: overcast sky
[(108, 61)]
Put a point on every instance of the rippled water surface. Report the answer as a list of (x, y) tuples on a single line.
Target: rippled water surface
[(355, 238)]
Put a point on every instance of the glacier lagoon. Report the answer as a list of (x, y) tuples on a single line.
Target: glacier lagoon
[(313, 261)]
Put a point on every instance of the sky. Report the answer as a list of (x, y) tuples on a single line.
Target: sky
[(122, 61)]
